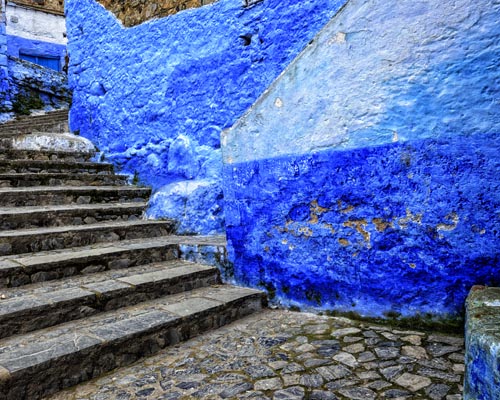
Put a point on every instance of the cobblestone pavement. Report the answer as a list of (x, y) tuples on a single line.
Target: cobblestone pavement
[(282, 355)]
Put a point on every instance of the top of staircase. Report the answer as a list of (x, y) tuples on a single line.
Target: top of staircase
[(30, 123)]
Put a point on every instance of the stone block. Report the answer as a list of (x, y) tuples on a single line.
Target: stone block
[(482, 344)]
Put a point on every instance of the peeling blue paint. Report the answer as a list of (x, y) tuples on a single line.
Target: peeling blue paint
[(399, 228), (140, 92), (367, 177)]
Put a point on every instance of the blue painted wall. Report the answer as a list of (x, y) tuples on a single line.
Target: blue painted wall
[(367, 177), (5, 103), (17, 45), (155, 98)]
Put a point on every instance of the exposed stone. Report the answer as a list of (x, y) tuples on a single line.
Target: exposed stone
[(346, 358), (268, 384), (311, 380), (413, 382), (358, 393), (345, 331), (333, 372), (414, 351), (437, 391), (289, 394)]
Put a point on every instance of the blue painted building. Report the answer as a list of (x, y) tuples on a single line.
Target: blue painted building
[(36, 33), (32, 58)]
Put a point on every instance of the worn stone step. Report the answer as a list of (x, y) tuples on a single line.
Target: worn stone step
[(57, 114), (35, 120), (54, 166), (39, 306), (71, 214), (53, 195), (57, 120), (56, 142), (57, 179), (23, 269), (59, 237), (36, 364), (13, 154)]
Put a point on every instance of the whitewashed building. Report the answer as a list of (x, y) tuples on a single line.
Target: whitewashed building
[(36, 31)]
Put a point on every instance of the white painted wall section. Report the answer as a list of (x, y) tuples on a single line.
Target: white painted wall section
[(35, 25)]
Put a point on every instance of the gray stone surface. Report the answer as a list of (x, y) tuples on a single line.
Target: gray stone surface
[(257, 358)]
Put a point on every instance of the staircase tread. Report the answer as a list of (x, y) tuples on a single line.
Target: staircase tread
[(72, 189), (99, 249), (34, 349), (51, 292), (69, 207), (46, 152), (56, 162), (76, 175), (76, 228)]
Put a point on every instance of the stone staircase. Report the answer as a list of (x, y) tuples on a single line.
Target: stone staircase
[(87, 285)]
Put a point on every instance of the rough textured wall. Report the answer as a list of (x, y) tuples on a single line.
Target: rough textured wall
[(367, 178), (482, 342), (133, 12), (155, 98), (53, 6)]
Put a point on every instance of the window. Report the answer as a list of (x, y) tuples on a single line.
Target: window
[(44, 61)]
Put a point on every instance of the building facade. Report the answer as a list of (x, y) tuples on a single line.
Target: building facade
[(36, 32)]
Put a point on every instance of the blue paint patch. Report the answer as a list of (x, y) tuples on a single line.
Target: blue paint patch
[(139, 92), (398, 229)]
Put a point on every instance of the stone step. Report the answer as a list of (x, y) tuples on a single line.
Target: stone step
[(53, 126), (72, 214), (23, 269), (58, 179), (56, 116), (56, 120), (51, 115), (36, 364), (13, 154), (53, 195), (59, 237), (42, 305), (57, 166)]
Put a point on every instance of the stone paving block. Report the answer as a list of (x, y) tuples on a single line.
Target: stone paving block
[(413, 382)]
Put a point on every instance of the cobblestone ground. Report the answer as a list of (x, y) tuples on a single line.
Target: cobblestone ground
[(286, 355)]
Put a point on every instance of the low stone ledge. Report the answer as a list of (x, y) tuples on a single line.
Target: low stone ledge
[(482, 341)]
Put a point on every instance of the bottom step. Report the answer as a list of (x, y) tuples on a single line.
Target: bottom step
[(43, 362)]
